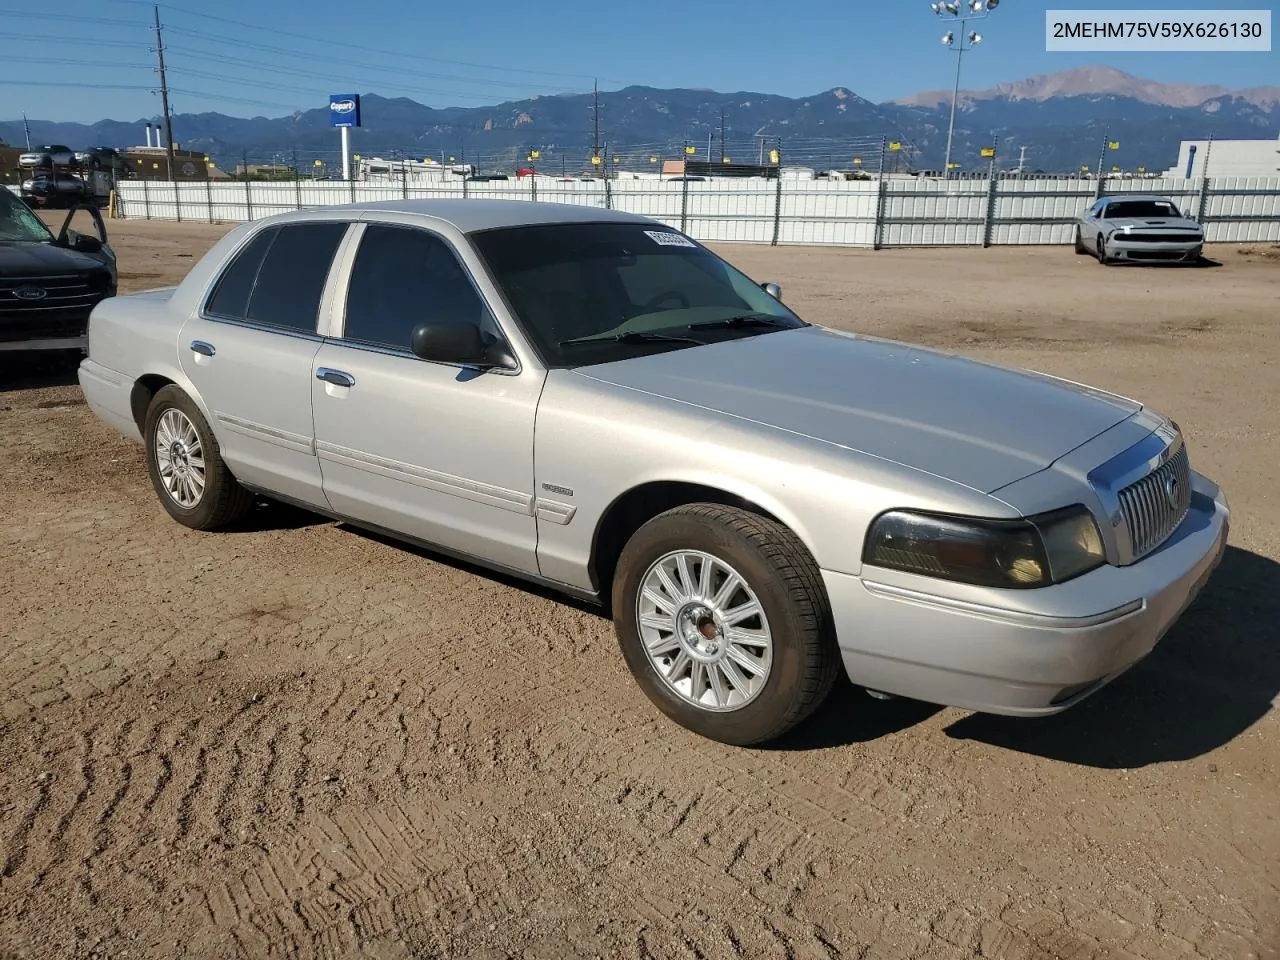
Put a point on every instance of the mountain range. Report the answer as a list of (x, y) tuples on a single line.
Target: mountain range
[(1061, 120)]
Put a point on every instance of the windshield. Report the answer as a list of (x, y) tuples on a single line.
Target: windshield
[(588, 293), (18, 223), (1141, 208)]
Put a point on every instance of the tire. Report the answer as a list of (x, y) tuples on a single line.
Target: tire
[(1080, 247), (1102, 251), (800, 661), (173, 419)]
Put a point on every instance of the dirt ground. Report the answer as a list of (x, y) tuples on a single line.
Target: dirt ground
[(298, 740)]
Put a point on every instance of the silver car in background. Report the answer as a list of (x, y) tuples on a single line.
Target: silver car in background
[(1138, 227), (592, 400)]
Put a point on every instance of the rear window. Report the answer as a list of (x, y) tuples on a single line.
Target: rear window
[(289, 285), (278, 278)]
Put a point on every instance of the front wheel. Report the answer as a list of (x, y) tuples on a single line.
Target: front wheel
[(193, 483), (1101, 250), (724, 622)]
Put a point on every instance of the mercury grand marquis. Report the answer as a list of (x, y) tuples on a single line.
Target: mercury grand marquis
[(593, 400)]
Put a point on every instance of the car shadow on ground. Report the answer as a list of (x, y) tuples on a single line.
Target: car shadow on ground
[(850, 715), (20, 370), (269, 514), (1214, 675), (510, 580)]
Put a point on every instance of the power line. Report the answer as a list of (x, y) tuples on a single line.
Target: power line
[(73, 41), (270, 48), (78, 63), (104, 21), (67, 83), (219, 97), (188, 53), (381, 52)]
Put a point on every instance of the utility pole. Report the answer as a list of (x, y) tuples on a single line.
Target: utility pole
[(595, 119), (722, 154), (26, 129), (164, 96)]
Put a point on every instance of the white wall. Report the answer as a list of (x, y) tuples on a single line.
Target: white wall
[(911, 212), (1229, 158)]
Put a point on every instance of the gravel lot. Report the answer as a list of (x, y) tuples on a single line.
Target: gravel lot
[(299, 740)]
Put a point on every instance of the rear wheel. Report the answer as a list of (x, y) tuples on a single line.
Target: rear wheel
[(724, 623), (193, 483)]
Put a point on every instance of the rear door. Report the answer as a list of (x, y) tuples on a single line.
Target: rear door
[(249, 354)]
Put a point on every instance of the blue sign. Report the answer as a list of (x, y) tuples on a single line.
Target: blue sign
[(344, 109)]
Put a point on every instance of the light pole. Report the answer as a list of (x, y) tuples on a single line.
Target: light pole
[(955, 11)]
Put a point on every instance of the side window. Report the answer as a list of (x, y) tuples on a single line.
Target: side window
[(231, 295), (289, 285), (403, 277)]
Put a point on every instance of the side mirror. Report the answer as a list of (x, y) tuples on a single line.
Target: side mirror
[(84, 244), (461, 343), (772, 289)]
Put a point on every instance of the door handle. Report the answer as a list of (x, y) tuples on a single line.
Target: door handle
[(335, 376), (202, 347)]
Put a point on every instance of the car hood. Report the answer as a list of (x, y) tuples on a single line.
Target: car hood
[(971, 422), (43, 259), (1153, 223)]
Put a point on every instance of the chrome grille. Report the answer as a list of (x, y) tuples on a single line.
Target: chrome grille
[(59, 294), (1155, 505)]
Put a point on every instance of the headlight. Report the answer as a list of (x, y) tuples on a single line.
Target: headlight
[(1034, 552)]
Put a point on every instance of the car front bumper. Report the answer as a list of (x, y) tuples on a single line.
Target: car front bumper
[(1121, 248), (903, 640)]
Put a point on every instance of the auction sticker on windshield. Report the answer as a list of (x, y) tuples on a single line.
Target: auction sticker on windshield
[(667, 239)]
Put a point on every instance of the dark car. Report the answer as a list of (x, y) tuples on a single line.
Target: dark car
[(46, 190), (50, 283)]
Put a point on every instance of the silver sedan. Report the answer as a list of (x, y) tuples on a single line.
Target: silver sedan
[(594, 401), (1132, 227)]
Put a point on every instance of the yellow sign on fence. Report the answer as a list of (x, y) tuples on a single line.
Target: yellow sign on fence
[(988, 151), (895, 146), (1114, 145)]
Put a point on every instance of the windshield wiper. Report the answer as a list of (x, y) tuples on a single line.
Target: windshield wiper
[(746, 320), (631, 336)]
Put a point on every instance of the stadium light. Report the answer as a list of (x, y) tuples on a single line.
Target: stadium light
[(951, 9)]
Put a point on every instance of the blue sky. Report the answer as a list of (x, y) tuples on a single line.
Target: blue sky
[(226, 57)]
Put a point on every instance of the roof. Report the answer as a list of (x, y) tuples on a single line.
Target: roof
[(469, 216)]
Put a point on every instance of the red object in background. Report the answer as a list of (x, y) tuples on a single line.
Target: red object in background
[(526, 172)]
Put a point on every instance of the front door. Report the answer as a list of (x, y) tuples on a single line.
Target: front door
[(249, 355), (439, 452)]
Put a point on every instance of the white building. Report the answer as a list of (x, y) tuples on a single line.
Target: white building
[(1227, 158)]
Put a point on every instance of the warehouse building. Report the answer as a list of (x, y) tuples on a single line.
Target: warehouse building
[(1227, 158)]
